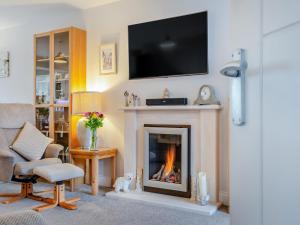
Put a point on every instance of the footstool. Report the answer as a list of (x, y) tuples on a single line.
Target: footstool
[(58, 173)]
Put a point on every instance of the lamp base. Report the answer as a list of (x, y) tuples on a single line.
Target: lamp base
[(83, 134)]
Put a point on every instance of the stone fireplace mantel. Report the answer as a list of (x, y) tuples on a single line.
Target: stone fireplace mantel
[(204, 121)]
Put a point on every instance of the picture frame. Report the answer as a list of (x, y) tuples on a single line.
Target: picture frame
[(108, 59)]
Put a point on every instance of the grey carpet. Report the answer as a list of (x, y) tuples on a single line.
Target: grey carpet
[(101, 210)]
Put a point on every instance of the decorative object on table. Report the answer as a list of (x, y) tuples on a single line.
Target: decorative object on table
[(82, 102), (123, 183), (202, 196), (206, 96), (126, 95), (166, 93), (108, 59), (93, 122), (236, 69), (4, 64)]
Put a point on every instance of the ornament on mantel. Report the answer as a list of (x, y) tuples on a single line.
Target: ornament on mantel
[(166, 93), (134, 100), (126, 95)]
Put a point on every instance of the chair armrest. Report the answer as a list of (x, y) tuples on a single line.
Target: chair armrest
[(53, 150)]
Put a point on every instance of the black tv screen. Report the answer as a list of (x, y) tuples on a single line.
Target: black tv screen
[(168, 47)]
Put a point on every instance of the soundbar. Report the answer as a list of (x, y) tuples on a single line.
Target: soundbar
[(166, 101)]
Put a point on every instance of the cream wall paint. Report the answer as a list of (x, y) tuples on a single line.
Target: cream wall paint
[(109, 24), (18, 40)]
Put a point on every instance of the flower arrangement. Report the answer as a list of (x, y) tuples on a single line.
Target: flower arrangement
[(93, 122)]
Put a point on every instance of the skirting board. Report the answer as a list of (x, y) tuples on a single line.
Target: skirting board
[(166, 201)]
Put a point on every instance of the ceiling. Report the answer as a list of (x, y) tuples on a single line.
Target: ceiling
[(81, 4)]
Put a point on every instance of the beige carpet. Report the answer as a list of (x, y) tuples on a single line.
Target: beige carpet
[(100, 210)]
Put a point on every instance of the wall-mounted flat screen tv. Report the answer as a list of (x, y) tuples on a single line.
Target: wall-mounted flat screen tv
[(169, 47)]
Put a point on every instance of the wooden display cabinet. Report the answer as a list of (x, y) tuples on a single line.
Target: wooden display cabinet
[(60, 69)]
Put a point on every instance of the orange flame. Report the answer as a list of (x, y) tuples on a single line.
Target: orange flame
[(170, 159)]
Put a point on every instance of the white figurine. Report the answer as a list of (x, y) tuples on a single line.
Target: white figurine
[(122, 183), (166, 93)]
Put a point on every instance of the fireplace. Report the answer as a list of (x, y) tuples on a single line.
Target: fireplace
[(167, 159)]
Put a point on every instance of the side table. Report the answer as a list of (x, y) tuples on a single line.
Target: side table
[(92, 165)]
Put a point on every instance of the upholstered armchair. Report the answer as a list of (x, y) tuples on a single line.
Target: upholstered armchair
[(12, 119)]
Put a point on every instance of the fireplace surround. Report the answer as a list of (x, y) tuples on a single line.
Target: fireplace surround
[(204, 144), (167, 159)]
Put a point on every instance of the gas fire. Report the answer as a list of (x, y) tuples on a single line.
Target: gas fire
[(168, 171), (170, 159)]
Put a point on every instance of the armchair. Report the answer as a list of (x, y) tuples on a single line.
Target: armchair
[(13, 166)]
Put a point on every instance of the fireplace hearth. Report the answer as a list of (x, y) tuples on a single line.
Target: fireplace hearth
[(167, 159)]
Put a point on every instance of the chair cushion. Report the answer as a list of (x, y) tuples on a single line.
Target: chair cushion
[(58, 172), (26, 168), (31, 143)]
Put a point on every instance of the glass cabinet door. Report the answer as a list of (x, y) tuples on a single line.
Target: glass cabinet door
[(42, 61), (42, 120), (61, 130), (61, 68)]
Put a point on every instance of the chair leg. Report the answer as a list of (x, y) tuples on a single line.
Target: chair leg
[(59, 200), (6, 195), (11, 197)]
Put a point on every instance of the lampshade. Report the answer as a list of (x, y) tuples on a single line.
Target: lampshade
[(86, 101)]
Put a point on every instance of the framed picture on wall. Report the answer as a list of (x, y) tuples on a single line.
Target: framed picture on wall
[(108, 59)]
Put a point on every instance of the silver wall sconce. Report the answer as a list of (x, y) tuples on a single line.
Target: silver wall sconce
[(236, 70)]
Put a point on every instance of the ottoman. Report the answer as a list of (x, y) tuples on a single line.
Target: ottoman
[(58, 173)]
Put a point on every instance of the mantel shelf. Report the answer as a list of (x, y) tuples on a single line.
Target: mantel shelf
[(175, 107)]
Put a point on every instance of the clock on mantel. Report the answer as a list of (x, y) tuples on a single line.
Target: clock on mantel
[(206, 96)]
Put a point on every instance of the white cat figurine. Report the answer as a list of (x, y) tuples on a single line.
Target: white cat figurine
[(122, 183)]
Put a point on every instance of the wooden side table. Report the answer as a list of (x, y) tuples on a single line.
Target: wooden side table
[(92, 165)]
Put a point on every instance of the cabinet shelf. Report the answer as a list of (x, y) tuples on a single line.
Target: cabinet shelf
[(59, 132), (43, 60), (61, 80)]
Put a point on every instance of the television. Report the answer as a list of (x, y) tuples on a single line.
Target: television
[(169, 47)]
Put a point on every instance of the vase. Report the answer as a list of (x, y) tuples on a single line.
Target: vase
[(93, 143), (83, 134)]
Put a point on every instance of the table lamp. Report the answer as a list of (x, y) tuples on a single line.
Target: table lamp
[(82, 102)]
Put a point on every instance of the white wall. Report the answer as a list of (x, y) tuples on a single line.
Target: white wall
[(280, 111), (18, 40), (109, 24)]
